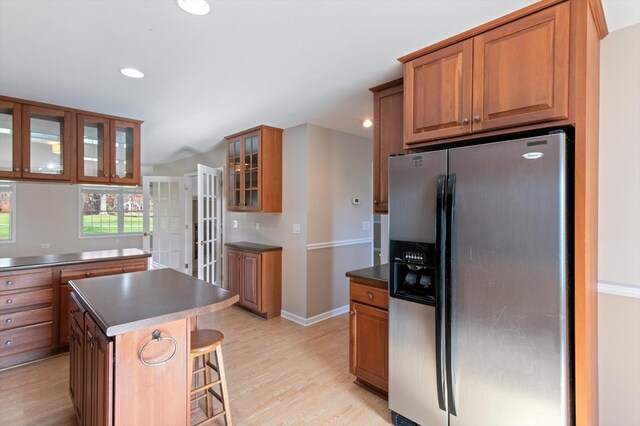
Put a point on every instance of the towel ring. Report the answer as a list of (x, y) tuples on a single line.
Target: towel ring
[(157, 339)]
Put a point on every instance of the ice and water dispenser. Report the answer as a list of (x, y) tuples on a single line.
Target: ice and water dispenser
[(413, 271)]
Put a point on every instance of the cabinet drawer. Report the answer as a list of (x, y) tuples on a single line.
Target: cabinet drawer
[(25, 338), (370, 295), (19, 280), (20, 319), (76, 311), (97, 270), (27, 298)]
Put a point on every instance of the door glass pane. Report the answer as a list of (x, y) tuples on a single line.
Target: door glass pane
[(6, 140), (93, 148), (124, 152), (46, 144)]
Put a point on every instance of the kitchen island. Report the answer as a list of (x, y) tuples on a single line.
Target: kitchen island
[(130, 345)]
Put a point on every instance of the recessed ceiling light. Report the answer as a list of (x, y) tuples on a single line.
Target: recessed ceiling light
[(367, 123), (132, 72), (195, 7)]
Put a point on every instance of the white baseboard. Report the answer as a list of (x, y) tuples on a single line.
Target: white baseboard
[(619, 289), (316, 318)]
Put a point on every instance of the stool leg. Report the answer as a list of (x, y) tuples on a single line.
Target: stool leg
[(207, 379), (223, 386)]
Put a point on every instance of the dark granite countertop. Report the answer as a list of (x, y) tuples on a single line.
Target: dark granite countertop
[(16, 263), (376, 274), (249, 246), (128, 302)]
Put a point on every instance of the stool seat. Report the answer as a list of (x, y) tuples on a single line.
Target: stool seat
[(204, 341), (204, 344)]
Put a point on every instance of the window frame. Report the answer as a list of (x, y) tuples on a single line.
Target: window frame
[(120, 191), (12, 188)]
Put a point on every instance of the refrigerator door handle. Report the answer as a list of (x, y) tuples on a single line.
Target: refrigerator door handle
[(440, 288), (450, 217)]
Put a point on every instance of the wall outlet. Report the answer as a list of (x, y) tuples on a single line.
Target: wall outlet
[(257, 226), (47, 245), (366, 225), (42, 245), (355, 201), (235, 223), (296, 228)]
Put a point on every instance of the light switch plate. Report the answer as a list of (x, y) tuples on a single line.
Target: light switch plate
[(296, 228), (235, 223), (257, 226)]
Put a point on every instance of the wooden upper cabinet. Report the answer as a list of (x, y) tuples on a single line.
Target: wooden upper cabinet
[(387, 137), (254, 170), (521, 71), (10, 140), (513, 75), (437, 94), (47, 141)]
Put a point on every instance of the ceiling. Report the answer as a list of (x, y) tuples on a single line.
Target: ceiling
[(276, 62)]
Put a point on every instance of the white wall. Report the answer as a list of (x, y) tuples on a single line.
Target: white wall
[(50, 213), (619, 227)]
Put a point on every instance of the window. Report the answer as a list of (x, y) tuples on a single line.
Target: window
[(7, 212), (109, 211)]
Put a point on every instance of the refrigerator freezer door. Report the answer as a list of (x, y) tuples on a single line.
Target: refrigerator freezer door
[(413, 181), (509, 284), (412, 363)]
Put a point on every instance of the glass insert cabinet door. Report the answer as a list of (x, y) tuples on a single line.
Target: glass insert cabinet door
[(251, 171), (125, 152), (234, 171), (10, 132), (93, 148), (46, 143)]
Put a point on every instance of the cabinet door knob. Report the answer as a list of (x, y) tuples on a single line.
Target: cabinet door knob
[(9, 320), (375, 201), (465, 120), (106, 175), (17, 169), (370, 295), (9, 301), (8, 343), (25, 170), (113, 175), (476, 118), (352, 313), (9, 283)]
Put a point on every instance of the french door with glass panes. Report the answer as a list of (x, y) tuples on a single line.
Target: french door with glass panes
[(163, 220), (243, 172), (209, 224)]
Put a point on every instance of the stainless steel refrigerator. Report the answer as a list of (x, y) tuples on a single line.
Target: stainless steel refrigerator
[(479, 321)]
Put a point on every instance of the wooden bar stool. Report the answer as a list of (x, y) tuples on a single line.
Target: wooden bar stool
[(203, 342)]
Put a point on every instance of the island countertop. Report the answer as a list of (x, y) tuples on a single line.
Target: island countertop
[(49, 260), (250, 246), (133, 301)]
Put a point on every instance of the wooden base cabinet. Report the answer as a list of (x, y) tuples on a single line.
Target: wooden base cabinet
[(257, 278), (26, 315), (369, 334)]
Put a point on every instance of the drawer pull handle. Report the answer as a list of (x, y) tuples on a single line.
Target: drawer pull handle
[(9, 320), (8, 343), (156, 339), (124, 269), (87, 274), (9, 301), (9, 283), (370, 295)]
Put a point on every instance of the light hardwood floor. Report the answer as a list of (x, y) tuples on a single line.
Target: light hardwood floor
[(278, 373)]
